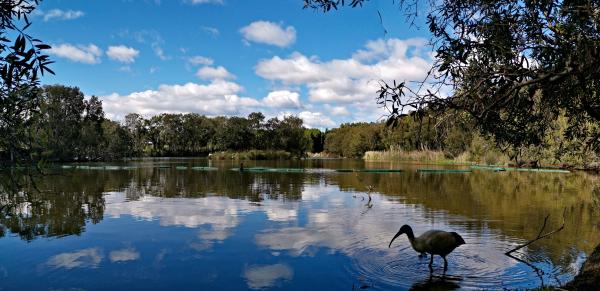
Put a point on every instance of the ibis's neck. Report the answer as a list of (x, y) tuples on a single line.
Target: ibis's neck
[(414, 242), (410, 234)]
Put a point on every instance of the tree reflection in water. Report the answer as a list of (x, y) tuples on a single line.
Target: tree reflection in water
[(513, 204)]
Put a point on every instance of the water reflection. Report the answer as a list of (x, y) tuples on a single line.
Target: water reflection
[(273, 228), (259, 277), (86, 258), (437, 283), (124, 255)]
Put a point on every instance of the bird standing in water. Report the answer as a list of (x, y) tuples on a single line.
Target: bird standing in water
[(434, 242)]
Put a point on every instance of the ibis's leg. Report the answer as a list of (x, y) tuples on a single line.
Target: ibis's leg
[(445, 264), (431, 261)]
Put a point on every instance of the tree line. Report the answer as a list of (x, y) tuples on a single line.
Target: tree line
[(69, 127), (456, 135), (193, 134)]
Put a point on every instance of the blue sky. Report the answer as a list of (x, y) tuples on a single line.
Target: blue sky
[(231, 57)]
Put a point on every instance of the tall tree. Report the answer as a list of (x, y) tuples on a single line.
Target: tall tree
[(135, 125), (61, 117), (92, 134)]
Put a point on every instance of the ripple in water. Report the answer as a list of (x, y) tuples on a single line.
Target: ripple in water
[(475, 267)]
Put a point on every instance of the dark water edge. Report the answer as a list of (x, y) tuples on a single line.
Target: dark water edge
[(589, 275)]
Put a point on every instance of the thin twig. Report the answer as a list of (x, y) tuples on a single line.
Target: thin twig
[(539, 236)]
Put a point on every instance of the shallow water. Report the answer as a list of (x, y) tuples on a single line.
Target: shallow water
[(158, 227)]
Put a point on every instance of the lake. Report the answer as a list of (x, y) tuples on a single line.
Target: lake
[(159, 224)]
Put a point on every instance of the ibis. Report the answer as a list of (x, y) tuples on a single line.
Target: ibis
[(433, 242)]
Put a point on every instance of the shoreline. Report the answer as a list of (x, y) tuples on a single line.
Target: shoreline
[(589, 274)]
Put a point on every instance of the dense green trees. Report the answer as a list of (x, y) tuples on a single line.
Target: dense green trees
[(353, 140), (453, 134), (69, 127), (316, 139)]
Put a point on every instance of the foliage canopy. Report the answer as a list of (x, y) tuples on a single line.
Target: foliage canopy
[(22, 61)]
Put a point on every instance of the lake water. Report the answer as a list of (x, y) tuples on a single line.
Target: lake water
[(153, 226)]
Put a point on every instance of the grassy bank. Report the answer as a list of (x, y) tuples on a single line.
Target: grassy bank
[(413, 156), (426, 156), (251, 155), (487, 156)]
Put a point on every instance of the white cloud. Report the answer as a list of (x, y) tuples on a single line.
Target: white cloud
[(316, 120), (282, 99), (269, 33), (89, 54), (86, 258), (214, 73), (122, 53), (260, 277), (62, 14), (211, 30), (219, 97), (220, 2), (200, 60), (339, 111), (350, 83), (349, 80), (124, 255)]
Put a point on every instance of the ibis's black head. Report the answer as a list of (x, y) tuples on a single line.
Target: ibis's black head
[(405, 229), (458, 239)]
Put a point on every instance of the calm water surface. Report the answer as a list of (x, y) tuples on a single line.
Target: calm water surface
[(158, 227)]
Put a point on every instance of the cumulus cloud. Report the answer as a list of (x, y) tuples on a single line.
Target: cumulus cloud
[(282, 99), (62, 14), (200, 60), (316, 120), (351, 82), (353, 79), (259, 277), (122, 53), (214, 73), (86, 258), (269, 33), (218, 97), (89, 54), (338, 110)]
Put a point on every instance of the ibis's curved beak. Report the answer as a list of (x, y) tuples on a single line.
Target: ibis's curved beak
[(397, 235)]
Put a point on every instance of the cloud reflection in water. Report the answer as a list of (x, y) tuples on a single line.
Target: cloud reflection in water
[(85, 258), (258, 277)]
